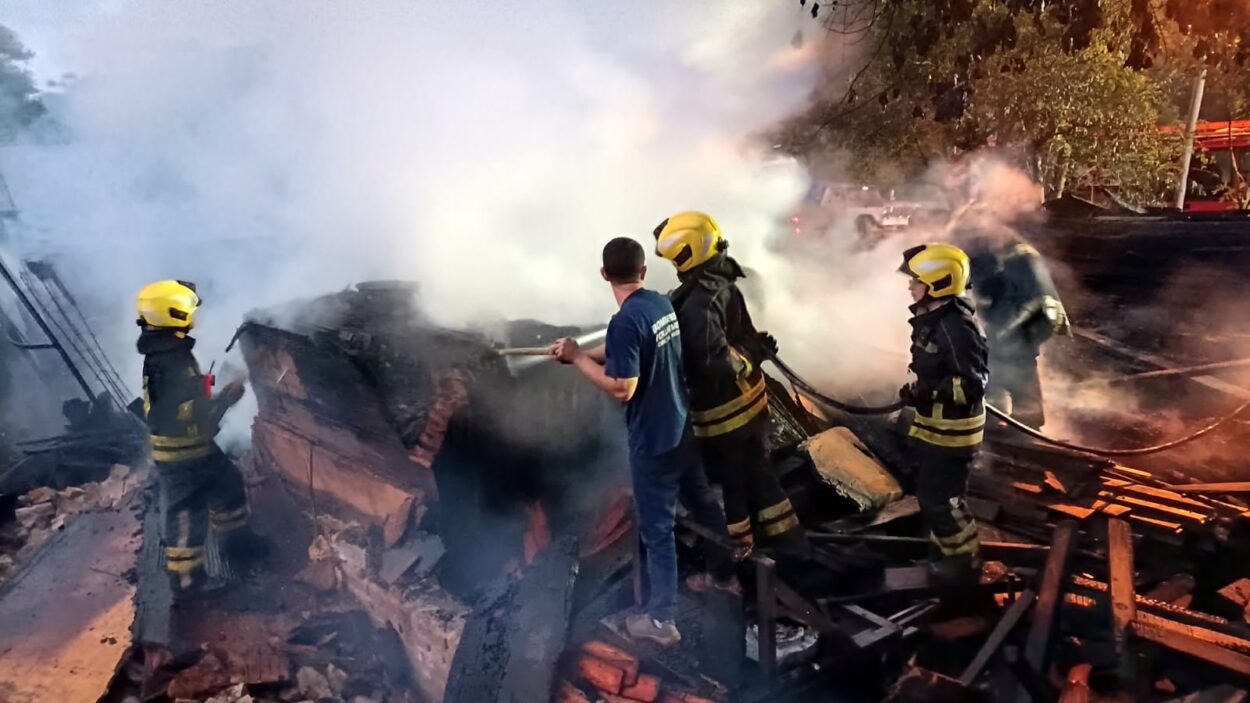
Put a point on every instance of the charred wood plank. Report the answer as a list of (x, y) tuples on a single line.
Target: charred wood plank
[(1161, 495), (1166, 510), (994, 642), (480, 664), (804, 610), (766, 613), (1215, 631), (1216, 488), (1123, 592), (1173, 589), (1169, 531), (1193, 642), (1097, 591), (1050, 596), (1013, 552), (540, 624)]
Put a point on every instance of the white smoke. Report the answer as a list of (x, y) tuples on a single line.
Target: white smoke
[(487, 150)]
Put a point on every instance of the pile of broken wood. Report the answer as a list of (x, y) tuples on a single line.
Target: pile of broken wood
[(1102, 580), (603, 672), (42, 512), (334, 657), (1106, 580)]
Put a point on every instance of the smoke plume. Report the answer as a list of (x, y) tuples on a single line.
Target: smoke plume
[(270, 151)]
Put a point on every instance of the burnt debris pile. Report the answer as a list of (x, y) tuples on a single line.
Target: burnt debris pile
[(448, 524)]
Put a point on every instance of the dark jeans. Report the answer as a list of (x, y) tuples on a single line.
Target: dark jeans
[(658, 482), (198, 494)]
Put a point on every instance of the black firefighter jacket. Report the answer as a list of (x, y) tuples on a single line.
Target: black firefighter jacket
[(949, 358), (720, 347), (182, 416), (1013, 285)]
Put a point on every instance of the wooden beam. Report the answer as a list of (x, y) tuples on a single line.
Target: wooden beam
[(1005, 625), (766, 614), (1172, 589), (1234, 487), (1123, 593), (1050, 596), (804, 610), (1194, 645), (1162, 495), (1100, 589), (1168, 510)]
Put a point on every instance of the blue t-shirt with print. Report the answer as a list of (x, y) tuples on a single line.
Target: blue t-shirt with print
[(644, 342)]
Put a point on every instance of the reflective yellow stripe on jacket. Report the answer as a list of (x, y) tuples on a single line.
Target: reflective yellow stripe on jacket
[(174, 449), (938, 431), (727, 417)]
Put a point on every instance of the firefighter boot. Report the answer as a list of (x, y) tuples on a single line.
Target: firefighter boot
[(958, 571)]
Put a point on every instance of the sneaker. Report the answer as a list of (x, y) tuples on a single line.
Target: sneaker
[(642, 626)]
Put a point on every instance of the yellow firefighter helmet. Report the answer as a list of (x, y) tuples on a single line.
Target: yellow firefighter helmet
[(688, 239), (168, 304), (942, 267)]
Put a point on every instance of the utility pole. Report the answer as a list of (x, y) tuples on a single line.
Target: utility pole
[(1195, 106)]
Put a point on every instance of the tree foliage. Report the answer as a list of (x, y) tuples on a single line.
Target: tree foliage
[(1071, 90), (19, 97)]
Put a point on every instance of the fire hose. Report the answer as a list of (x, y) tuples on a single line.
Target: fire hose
[(807, 389)]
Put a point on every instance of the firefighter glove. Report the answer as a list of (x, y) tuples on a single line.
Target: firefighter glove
[(767, 343), (907, 394), (232, 393), (1052, 308)]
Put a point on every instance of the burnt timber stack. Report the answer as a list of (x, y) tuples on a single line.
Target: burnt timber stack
[(414, 432), (479, 512)]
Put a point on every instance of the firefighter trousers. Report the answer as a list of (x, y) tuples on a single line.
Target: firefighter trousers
[(942, 490), (1014, 377), (198, 495), (755, 504)]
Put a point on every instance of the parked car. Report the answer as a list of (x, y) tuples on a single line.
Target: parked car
[(833, 210)]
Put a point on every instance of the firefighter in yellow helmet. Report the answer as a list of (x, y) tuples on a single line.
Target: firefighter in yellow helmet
[(949, 360), (722, 353), (201, 486)]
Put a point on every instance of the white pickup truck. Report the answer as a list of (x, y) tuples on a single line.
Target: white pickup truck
[(836, 210)]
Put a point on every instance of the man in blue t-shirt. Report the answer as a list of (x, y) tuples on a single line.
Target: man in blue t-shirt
[(640, 365)]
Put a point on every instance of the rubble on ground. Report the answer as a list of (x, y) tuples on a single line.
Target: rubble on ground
[(397, 480), (428, 548), (42, 512)]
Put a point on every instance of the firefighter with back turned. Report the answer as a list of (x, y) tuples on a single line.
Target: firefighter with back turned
[(728, 401), (949, 361), (1020, 306), (201, 487)]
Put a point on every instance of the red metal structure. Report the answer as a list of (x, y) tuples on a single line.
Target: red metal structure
[(1223, 166)]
